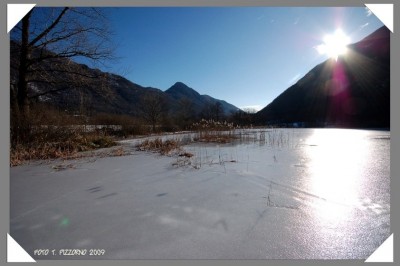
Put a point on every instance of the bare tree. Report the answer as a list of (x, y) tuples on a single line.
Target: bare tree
[(42, 46), (185, 113), (217, 111), (152, 107)]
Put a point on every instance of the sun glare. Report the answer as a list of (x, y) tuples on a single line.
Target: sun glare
[(334, 44), (337, 164)]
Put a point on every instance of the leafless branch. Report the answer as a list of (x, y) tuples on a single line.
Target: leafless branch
[(48, 29)]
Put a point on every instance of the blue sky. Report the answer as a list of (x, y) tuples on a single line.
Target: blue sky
[(244, 55)]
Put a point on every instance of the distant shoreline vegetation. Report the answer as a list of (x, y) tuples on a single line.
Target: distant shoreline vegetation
[(56, 135)]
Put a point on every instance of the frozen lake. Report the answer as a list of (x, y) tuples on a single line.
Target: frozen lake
[(272, 194)]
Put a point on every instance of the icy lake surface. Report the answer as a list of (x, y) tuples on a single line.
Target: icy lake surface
[(271, 194)]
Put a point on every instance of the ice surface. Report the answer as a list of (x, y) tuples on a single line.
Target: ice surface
[(272, 194)]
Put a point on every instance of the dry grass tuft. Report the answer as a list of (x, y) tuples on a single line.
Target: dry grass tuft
[(214, 131), (158, 145), (186, 154), (60, 167), (67, 148), (216, 136), (118, 152)]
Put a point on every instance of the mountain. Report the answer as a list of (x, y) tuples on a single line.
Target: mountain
[(101, 92), (180, 91), (353, 91)]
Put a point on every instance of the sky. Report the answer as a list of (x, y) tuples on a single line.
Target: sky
[(246, 56)]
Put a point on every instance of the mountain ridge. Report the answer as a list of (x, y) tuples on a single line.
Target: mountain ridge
[(353, 91), (180, 91), (110, 93)]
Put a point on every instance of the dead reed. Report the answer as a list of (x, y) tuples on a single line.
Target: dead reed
[(65, 147), (158, 145)]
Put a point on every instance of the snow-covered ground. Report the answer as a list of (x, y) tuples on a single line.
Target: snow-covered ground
[(272, 194)]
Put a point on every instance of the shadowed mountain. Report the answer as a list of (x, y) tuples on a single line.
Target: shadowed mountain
[(179, 91), (101, 92), (353, 91)]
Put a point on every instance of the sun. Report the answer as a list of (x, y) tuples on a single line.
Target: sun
[(334, 44)]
